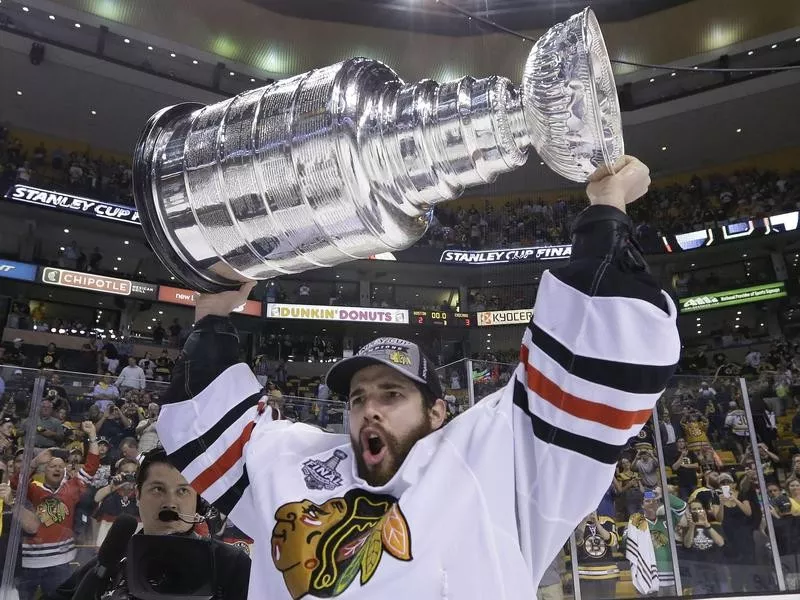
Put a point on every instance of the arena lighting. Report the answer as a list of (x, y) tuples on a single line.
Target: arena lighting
[(25, 9), (194, 62), (66, 230), (126, 242), (119, 258), (172, 55), (739, 130), (77, 25), (61, 248), (19, 92), (161, 312), (115, 268), (93, 112), (127, 41), (154, 319), (252, 80), (53, 330), (52, 18), (774, 46), (672, 74), (232, 74), (663, 148), (750, 53), (652, 79), (73, 331), (150, 48), (83, 332)]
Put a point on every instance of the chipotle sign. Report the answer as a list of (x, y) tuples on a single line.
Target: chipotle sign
[(86, 281), (174, 295)]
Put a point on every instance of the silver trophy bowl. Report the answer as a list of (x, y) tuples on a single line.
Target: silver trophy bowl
[(348, 161)]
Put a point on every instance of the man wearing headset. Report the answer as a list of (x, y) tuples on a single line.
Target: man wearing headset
[(168, 505)]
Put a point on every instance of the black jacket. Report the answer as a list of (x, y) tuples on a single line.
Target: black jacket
[(232, 576)]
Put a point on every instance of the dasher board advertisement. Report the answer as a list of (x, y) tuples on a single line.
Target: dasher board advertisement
[(490, 318)]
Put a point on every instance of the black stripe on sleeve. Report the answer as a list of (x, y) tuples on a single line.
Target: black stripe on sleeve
[(229, 499), (183, 456), (550, 434), (626, 377)]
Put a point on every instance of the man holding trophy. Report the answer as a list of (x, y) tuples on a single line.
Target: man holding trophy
[(345, 162)]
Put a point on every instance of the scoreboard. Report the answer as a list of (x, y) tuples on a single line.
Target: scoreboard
[(442, 318)]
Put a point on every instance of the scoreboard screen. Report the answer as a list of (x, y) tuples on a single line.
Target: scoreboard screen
[(442, 318)]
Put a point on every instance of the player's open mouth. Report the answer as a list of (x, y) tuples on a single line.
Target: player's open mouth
[(374, 448)]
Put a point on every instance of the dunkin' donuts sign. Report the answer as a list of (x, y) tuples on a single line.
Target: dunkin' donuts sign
[(337, 313)]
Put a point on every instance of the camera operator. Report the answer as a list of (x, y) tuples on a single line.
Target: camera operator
[(168, 505)]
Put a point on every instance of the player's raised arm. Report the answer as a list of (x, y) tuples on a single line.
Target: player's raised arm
[(211, 406), (595, 358)]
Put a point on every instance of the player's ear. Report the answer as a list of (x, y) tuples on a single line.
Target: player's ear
[(437, 413)]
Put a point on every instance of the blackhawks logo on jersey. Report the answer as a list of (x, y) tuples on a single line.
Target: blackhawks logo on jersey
[(52, 511), (321, 549)]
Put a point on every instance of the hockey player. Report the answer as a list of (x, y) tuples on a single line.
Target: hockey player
[(406, 507)]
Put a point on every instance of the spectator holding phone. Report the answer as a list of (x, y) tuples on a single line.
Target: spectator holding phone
[(116, 498), (686, 467), (702, 558), (738, 529), (646, 465), (627, 488), (146, 429)]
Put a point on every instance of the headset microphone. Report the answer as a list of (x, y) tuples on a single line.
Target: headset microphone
[(168, 515)]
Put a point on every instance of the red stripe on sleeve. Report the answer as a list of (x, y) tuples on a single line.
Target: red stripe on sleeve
[(578, 407), (226, 460)]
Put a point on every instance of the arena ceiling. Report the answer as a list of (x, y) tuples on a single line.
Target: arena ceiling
[(429, 16)]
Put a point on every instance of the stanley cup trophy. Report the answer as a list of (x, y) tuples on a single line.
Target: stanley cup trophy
[(347, 161)]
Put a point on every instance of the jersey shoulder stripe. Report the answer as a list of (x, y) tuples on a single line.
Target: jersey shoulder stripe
[(631, 378), (186, 454), (550, 434), (578, 407)]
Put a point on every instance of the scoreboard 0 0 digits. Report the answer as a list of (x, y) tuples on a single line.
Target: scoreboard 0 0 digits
[(442, 318)]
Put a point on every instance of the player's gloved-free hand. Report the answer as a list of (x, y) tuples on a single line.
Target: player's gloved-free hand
[(629, 183), (222, 304)]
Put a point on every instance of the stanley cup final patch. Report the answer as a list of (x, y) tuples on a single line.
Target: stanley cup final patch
[(322, 475)]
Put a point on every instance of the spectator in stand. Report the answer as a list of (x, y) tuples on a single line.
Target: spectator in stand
[(175, 332), (686, 467), (146, 429), (105, 392), (148, 365), (786, 521), (597, 539), (14, 355), (159, 333), (116, 498), (627, 488), (46, 556), (164, 365), (129, 448), (708, 495), (114, 426), (132, 377), (702, 558), (51, 359), (646, 465), (49, 431)]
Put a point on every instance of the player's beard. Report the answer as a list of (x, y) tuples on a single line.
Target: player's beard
[(396, 451)]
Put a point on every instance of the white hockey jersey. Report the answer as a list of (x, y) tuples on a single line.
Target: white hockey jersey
[(480, 507)]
